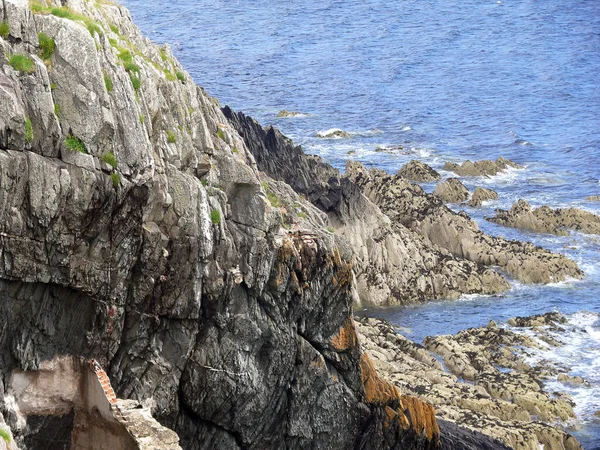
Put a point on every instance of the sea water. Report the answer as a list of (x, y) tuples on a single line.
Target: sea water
[(435, 81)]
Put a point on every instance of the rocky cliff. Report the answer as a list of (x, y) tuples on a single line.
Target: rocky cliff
[(136, 230)]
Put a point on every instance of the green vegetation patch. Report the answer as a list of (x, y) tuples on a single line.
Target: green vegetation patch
[(171, 137), (22, 63), (75, 144), (142, 119), (110, 159), (57, 110), (169, 75), (108, 82), (47, 46), (215, 216), (94, 28), (28, 130), (221, 134), (4, 30), (114, 28), (135, 81), (4, 434), (116, 179), (180, 76)]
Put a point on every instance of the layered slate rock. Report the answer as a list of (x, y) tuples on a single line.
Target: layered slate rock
[(501, 399), (392, 264), (547, 220), (452, 191), (407, 203), (481, 168), (481, 195), (417, 171), (159, 250)]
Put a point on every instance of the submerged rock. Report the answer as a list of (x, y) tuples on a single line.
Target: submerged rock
[(334, 133), (593, 198), (481, 168), (547, 220), (285, 113), (452, 191), (418, 171), (481, 195)]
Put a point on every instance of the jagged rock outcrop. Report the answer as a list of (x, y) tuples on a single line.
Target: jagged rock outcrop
[(502, 396), (452, 191), (392, 264), (407, 203), (136, 230), (547, 220), (484, 167), (417, 171), (481, 195)]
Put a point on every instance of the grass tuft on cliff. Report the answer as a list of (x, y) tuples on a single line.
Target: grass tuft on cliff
[(215, 216), (116, 179), (28, 130), (110, 159), (135, 81), (171, 137), (4, 30), (57, 110), (180, 76), (108, 83), (5, 435), (47, 46), (22, 63), (75, 144)]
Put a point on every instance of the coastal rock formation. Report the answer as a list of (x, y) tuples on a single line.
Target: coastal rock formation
[(481, 195), (481, 168), (392, 264), (285, 113), (136, 230), (417, 171), (593, 198), (452, 191), (501, 397), (334, 133), (407, 203), (547, 220)]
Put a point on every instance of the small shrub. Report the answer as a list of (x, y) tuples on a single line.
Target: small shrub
[(114, 28), (22, 63), (180, 76), (221, 134), (4, 30), (75, 144), (110, 159), (116, 179), (94, 28), (28, 130), (57, 110), (171, 138), (135, 81), (215, 216), (47, 46), (131, 67), (108, 82), (125, 55)]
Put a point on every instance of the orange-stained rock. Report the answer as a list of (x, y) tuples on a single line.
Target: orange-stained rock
[(346, 338)]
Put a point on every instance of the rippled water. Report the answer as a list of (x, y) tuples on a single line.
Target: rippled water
[(443, 80)]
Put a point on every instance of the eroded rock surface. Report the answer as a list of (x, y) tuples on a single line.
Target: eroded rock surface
[(502, 395), (418, 171), (481, 195), (452, 191), (547, 220), (481, 168)]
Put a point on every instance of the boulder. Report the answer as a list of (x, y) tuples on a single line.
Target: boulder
[(451, 191), (484, 167), (419, 172), (481, 195)]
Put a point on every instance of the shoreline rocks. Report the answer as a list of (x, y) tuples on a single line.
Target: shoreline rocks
[(452, 190), (481, 195), (417, 171), (481, 168), (291, 114), (333, 133), (491, 388), (547, 220)]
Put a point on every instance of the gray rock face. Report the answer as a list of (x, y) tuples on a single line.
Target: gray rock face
[(503, 405), (418, 171), (426, 215), (481, 195), (547, 220), (392, 264), (178, 267), (452, 191), (481, 168)]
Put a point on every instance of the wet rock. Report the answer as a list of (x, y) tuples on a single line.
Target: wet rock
[(418, 171), (502, 400), (481, 168), (334, 133), (565, 378), (285, 113), (593, 198), (481, 195), (547, 220), (551, 318), (451, 191)]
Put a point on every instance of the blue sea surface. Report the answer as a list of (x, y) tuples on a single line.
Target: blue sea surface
[(435, 81)]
